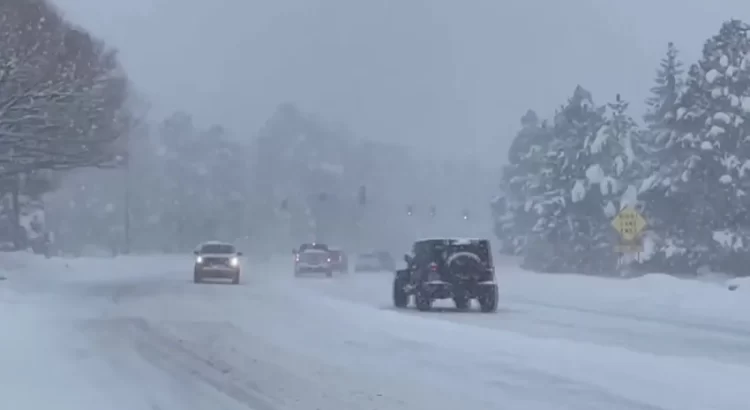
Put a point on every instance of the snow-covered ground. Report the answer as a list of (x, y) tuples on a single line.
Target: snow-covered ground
[(136, 333)]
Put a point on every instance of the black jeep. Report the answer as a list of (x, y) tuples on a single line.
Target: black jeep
[(460, 269)]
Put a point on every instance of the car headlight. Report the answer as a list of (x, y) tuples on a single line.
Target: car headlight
[(199, 259), (234, 262)]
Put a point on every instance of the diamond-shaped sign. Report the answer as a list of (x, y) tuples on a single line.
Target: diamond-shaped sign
[(629, 223)]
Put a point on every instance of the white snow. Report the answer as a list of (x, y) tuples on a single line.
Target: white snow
[(609, 210), (715, 131), (706, 146), (648, 183), (728, 239), (725, 179), (723, 118), (595, 174), (600, 139), (712, 75), (133, 333), (629, 197), (724, 61), (681, 113)]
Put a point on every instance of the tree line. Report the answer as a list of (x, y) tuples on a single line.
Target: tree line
[(684, 167)]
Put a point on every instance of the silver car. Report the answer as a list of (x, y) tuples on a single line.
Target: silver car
[(217, 260)]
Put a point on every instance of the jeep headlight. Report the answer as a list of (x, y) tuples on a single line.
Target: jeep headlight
[(199, 259), (234, 262)]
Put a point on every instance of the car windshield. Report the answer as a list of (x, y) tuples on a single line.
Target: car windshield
[(217, 248), (316, 246)]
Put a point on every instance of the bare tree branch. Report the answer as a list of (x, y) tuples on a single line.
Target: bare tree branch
[(62, 94)]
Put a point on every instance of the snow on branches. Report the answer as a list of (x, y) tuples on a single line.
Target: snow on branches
[(62, 93)]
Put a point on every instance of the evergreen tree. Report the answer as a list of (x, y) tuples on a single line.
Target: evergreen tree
[(513, 221), (710, 139), (664, 94), (561, 233)]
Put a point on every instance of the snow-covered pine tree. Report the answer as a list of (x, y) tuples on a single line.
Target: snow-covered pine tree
[(664, 94), (613, 176), (513, 221), (560, 233), (660, 160), (711, 139), (661, 105)]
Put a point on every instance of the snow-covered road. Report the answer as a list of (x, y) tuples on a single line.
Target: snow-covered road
[(136, 333)]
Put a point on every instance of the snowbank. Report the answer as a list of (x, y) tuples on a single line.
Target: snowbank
[(741, 285), (19, 266), (673, 299)]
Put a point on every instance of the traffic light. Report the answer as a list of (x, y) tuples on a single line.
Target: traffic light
[(362, 195), (409, 210)]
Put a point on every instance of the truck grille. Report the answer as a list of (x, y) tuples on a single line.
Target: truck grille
[(215, 261)]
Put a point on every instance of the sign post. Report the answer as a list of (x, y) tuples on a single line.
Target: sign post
[(629, 223)]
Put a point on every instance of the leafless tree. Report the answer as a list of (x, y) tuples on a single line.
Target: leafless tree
[(62, 93)]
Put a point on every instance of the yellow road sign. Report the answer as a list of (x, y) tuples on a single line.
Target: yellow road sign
[(629, 223)]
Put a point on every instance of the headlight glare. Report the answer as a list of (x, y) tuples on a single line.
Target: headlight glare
[(199, 259), (234, 262)]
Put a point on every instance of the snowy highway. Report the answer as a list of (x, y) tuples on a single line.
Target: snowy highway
[(136, 333)]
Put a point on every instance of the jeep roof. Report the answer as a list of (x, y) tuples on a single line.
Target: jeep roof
[(447, 246)]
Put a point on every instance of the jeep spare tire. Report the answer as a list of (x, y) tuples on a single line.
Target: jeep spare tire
[(464, 261)]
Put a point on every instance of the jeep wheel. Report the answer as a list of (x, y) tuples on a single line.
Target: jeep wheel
[(236, 279), (196, 277), (400, 297), (423, 301), (488, 300), (329, 273)]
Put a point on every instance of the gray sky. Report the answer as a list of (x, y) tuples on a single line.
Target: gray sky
[(455, 74)]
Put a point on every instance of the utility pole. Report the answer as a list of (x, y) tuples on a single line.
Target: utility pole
[(126, 211)]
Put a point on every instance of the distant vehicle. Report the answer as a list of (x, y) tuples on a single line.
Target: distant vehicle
[(339, 260), (312, 257), (447, 268), (216, 260), (374, 262)]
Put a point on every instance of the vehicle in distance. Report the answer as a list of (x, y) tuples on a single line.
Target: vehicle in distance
[(216, 260), (374, 262), (312, 258), (445, 268), (339, 260)]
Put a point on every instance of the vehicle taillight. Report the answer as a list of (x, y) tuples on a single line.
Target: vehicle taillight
[(296, 258), (433, 267)]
